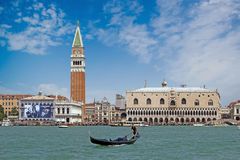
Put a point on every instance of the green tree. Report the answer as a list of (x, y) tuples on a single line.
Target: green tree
[(2, 115), (14, 111)]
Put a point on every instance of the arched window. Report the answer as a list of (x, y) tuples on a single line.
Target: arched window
[(162, 101), (149, 101), (210, 102), (196, 103), (135, 101), (172, 103), (184, 101)]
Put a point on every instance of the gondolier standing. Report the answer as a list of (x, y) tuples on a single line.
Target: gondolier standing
[(134, 130)]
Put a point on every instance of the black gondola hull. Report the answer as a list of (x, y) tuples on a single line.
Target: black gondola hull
[(106, 142)]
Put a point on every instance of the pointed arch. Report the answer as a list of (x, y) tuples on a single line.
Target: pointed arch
[(135, 101), (162, 101), (210, 102), (184, 101), (196, 103), (172, 103), (149, 101)]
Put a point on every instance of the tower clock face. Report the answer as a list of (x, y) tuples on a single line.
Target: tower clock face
[(77, 52)]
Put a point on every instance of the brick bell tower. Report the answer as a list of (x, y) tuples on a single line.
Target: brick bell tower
[(78, 69)]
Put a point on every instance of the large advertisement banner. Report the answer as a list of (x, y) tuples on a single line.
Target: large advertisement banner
[(37, 111)]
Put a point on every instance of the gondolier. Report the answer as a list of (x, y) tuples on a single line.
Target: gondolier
[(134, 130)]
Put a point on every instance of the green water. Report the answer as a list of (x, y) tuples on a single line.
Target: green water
[(165, 142)]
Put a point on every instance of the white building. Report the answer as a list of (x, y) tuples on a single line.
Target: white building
[(235, 112), (167, 105), (68, 112)]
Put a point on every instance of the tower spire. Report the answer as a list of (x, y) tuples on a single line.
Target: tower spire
[(78, 70), (77, 42)]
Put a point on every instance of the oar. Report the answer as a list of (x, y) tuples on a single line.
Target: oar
[(89, 133), (127, 134)]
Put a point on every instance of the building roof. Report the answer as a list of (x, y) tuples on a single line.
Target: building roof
[(77, 104), (58, 97), (176, 89), (14, 96), (38, 98), (77, 42), (232, 104)]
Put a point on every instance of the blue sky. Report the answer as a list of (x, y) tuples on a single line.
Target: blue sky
[(126, 42)]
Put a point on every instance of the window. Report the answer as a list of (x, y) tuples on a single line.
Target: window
[(58, 110), (210, 102), (67, 110), (184, 101), (135, 101), (196, 103), (162, 101), (149, 101), (63, 110), (172, 103)]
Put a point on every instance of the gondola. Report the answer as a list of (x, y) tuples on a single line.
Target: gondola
[(118, 141)]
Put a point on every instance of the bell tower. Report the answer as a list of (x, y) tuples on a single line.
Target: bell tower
[(78, 69)]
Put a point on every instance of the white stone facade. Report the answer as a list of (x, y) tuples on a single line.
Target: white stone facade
[(68, 112), (235, 111), (176, 105)]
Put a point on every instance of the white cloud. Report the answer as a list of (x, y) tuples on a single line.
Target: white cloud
[(3, 33), (137, 38), (205, 47), (122, 30), (53, 89), (195, 44), (45, 27)]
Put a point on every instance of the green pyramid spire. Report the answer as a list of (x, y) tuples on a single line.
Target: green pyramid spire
[(77, 42)]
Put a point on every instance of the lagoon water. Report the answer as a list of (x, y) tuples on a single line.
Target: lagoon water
[(156, 143)]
